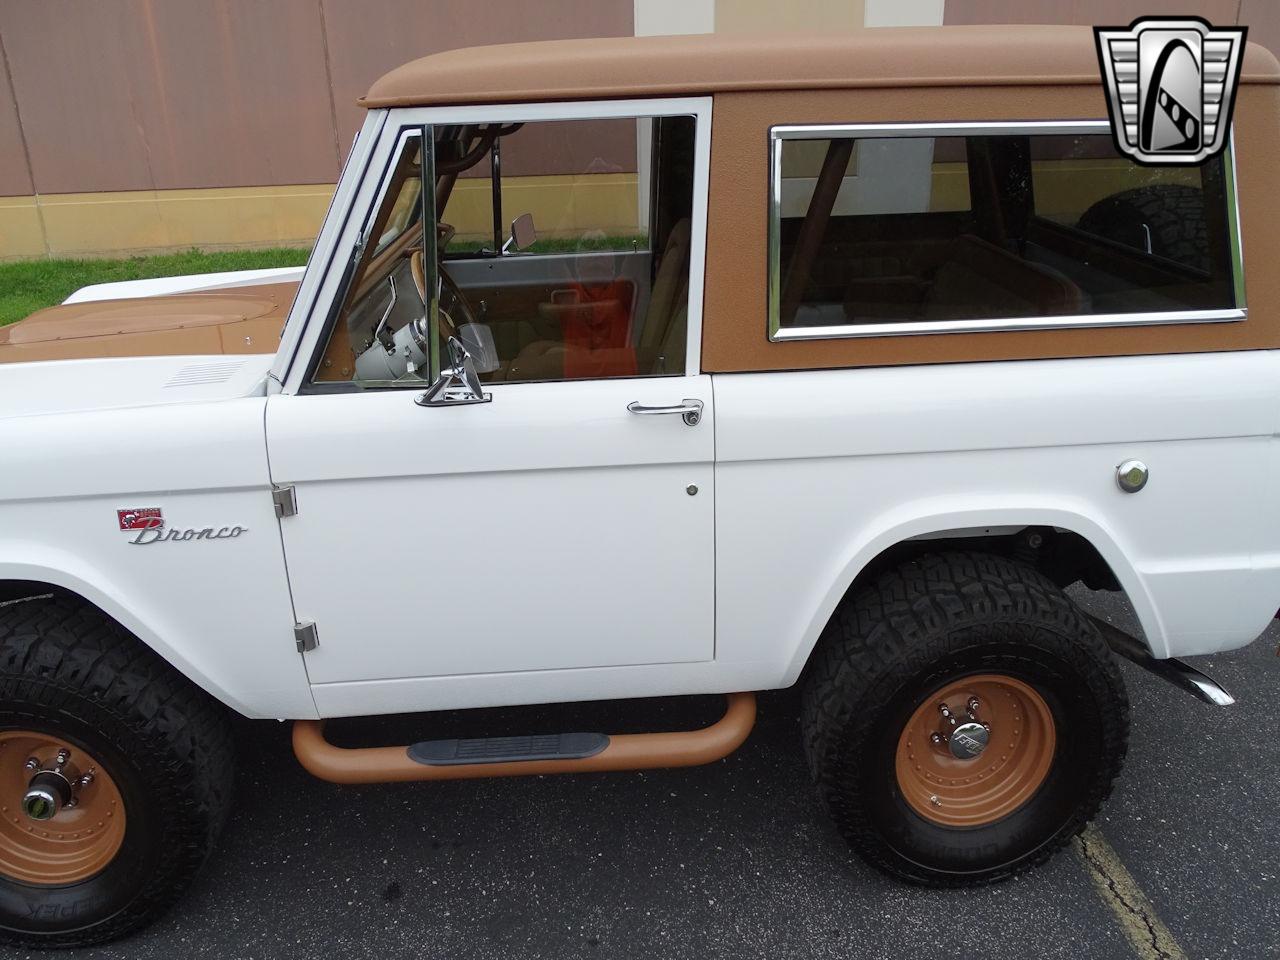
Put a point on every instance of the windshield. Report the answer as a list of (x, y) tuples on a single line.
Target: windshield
[(405, 210)]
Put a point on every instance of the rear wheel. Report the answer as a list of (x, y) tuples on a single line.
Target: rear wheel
[(949, 769), (963, 721), (115, 775), (1166, 219)]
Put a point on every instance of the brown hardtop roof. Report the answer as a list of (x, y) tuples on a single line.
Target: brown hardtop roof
[(710, 63)]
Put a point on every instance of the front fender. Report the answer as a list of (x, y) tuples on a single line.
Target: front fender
[(273, 690), (218, 610)]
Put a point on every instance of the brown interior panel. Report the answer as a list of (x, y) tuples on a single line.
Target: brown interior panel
[(521, 314)]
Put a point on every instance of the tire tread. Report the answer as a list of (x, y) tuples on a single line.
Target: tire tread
[(892, 629)]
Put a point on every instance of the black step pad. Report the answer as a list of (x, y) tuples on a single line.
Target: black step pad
[(555, 746)]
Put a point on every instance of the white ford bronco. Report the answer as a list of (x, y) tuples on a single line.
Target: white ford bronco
[(655, 367)]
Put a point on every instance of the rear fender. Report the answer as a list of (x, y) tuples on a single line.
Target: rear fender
[(923, 519)]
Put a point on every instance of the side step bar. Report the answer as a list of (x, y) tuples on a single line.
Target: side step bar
[(1181, 675), (523, 756)]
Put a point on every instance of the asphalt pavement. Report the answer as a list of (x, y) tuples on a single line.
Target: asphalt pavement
[(735, 859)]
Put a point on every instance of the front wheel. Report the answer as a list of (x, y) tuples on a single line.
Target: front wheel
[(964, 720), (115, 777)]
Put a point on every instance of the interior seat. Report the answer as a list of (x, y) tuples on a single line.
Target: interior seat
[(980, 279), (661, 346), (662, 340)]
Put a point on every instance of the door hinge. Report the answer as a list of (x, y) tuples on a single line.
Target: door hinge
[(286, 501), (305, 635)]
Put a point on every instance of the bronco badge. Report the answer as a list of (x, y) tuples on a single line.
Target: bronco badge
[(140, 518)]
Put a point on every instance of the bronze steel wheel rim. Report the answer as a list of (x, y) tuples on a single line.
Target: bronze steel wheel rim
[(979, 790), (76, 844)]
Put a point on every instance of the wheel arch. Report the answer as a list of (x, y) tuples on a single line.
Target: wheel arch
[(925, 529), (20, 581)]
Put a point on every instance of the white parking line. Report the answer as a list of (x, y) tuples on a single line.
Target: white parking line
[(1150, 938)]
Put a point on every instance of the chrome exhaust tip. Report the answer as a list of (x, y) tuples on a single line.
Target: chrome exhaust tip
[(1181, 675)]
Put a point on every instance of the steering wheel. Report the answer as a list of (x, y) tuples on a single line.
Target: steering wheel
[(455, 310), (444, 233)]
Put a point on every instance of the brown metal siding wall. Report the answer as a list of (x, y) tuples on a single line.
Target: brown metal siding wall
[(120, 95), (1262, 17), (125, 95), (15, 175), (1090, 12), (368, 39)]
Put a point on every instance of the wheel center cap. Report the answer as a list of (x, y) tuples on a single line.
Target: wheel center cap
[(968, 740)]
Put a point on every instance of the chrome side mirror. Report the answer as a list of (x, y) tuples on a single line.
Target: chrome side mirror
[(459, 383), (478, 341), (523, 234)]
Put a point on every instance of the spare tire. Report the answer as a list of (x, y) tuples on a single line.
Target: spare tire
[(1173, 217)]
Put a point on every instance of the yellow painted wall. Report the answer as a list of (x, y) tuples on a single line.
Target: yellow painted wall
[(152, 221), (562, 206), (1062, 193), (149, 221), (1064, 189), (21, 232)]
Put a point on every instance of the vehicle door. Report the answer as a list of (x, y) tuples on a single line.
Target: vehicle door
[(558, 513)]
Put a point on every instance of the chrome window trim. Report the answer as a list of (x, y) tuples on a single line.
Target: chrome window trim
[(357, 193), (345, 259), (779, 134), (1007, 324), (1233, 219), (332, 242)]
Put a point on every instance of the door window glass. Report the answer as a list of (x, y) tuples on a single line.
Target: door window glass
[(563, 253)]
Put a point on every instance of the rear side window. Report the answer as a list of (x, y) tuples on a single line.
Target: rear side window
[(875, 233)]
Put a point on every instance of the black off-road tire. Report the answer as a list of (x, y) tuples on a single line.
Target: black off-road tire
[(71, 672), (917, 628), (1173, 212)]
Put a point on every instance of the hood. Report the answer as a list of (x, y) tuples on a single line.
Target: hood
[(236, 320), (77, 386)]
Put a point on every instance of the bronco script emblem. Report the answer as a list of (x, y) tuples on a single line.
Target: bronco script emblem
[(149, 524), (1171, 84), (150, 535)]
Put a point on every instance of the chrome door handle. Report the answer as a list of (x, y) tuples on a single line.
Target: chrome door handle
[(690, 410)]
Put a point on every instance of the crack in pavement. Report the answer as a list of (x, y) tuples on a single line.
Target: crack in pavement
[(1149, 937)]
